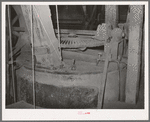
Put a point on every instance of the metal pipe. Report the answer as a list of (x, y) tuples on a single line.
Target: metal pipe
[(33, 65), (7, 64), (11, 53), (58, 31)]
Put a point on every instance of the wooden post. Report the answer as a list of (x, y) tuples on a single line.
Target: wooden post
[(11, 52), (134, 53), (110, 18), (111, 15)]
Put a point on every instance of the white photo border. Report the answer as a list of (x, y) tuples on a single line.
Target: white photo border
[(72, 114)]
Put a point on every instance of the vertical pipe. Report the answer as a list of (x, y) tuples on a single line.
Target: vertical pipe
[(101, 95), (32, 41), (58, 32), (7, 59), (7, 65), (7, 78), (11, 53)]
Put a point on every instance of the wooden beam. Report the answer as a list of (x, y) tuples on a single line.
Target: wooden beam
[(134, 53), (19, 29), (15, 19), (80, 32), (111, 15)]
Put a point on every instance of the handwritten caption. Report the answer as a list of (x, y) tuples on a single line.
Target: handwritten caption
[(83, 113)]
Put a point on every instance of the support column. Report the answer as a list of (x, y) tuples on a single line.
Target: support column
[(111, 15), (134, 53)]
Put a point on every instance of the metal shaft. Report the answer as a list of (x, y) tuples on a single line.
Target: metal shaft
[(58, 31), (33, 66)]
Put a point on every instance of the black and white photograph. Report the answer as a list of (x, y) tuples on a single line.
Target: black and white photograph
[(82, 59)]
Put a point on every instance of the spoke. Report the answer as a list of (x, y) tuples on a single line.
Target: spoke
[(19, 29), (15, 19)]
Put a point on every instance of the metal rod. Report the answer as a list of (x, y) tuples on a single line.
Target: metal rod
[(11, 52), (33, 66), (7, 64), (58, 31), (7, 59)]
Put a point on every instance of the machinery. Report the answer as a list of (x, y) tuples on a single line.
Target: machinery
[(63, 68)]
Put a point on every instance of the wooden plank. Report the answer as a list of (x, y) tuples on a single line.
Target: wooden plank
[(134, 53), (20, 29), (15, 19), (65, 21), (80, 32), (111, 15)]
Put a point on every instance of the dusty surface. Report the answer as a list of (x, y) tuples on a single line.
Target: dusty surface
[(110, 105), (81, 66), (107, 105), (50, 96)]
